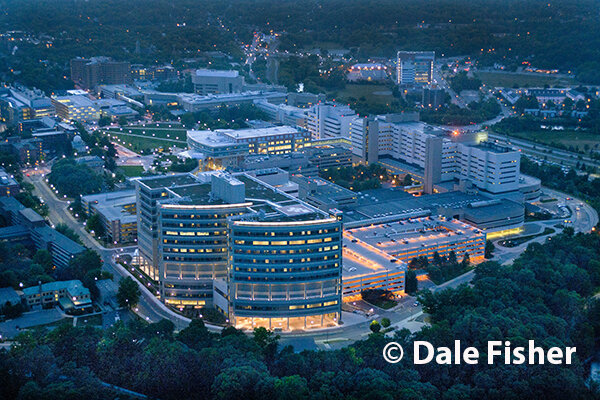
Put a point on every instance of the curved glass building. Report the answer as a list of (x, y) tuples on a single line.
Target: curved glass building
[(257, 254)]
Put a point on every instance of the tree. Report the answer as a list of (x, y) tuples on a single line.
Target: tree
[(94, 224), (195, 335), (385, 322), (291, 388), (407, 181), (103, 121), (375, 326), (411, 285), (267, 341), (466, 261), (489, 249), (44, 258), (129, 293)]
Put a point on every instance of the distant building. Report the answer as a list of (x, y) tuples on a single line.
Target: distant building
[(226, 147), (282, 113), (323, 194), (433, 97), (89, 73), (367, 72), (115, 109), (415, 67), (208, 81), (18, 104), (153, 73), (76, 108), (304, 99), (191, 102), (8, 185), (54, 142), (28, 151)]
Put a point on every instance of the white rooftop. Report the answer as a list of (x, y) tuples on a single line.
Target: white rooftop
[(217, 73)]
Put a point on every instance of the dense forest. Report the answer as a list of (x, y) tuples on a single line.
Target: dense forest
[(545, 295), (160, 31)]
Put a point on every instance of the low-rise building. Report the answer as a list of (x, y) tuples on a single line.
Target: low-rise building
[(18, 104), (224, 148), (8, 185), (71, 296), (405, 240), (77, 108), (323, 194)]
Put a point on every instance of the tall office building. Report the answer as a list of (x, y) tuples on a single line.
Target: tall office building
[(89, 73), (415, 67), (259, 255)]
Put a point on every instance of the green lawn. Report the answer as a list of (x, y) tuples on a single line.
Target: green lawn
[(505, 79), (163, 131), (131, 170), (142, 142)]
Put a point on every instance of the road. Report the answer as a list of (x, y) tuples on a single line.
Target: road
[(149, 308)]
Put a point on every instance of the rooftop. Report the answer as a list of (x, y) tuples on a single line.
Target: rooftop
[(259, 132), (216, 73), (77, 100), (74, 287), (166, 181)]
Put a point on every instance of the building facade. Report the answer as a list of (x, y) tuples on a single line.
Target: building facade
[(76, 108), (89, 73), (329, 120), (415, 67), (208, 81), (259, 255)]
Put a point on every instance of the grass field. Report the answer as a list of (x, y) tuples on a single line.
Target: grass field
[(577, 139), (165, 131), (151, 136), (506, 79), (131, 170), (138, 143)]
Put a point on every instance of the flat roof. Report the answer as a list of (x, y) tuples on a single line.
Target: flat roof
[(259, 132), (217, 73), (50, 235), (378, 203), (267, 202), (210, 138), (166, 181)]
